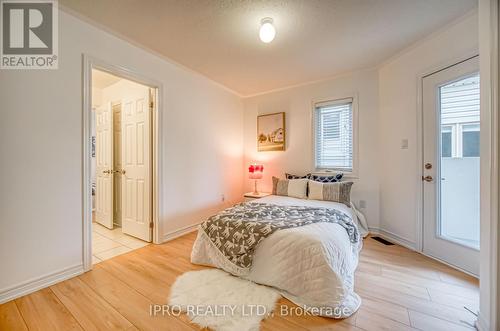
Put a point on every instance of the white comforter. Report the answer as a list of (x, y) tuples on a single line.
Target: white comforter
[(312, 265)]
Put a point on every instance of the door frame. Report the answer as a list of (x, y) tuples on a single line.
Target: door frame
[(420, 151), (441, 242), (89, 63)]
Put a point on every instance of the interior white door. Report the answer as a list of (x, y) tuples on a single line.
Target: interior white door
[(104, 166), (136, 165), (451, 165)]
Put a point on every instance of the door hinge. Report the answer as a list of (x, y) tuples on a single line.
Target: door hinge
[(151, 224), (151, 105)]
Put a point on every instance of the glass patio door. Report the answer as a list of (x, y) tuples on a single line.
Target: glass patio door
[(451, 165)]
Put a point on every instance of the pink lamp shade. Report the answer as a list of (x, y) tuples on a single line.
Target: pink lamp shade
[(255, 171)]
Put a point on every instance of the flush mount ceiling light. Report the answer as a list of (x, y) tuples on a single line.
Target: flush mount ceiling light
[(267, 31)]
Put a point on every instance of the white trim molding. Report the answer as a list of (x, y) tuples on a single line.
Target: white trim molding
[(180, 232), (393, 238), (489, 314), (38, 283)]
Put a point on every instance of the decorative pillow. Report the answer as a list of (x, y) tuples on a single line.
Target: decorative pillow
[(327, 178), (337, 192), (296, 188), (290, 176)]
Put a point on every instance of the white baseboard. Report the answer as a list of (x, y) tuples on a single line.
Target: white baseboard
[(180, 232), (394, 238), (39, 283)]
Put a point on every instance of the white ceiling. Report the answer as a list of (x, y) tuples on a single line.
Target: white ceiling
[(101, 79), (315, 39)]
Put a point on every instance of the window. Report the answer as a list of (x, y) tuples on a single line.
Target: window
[(460, 140), (460, 117), (446, 141), (333, 135), (470, 140)]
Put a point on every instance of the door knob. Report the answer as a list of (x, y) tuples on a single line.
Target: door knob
[(428, 166), (427, 178)]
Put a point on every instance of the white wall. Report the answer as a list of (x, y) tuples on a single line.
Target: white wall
[(41, 147), (122, 89), (96, 96), (298, 157), (398, 120)]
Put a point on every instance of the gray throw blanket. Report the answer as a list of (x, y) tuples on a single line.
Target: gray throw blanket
[(238, 230)]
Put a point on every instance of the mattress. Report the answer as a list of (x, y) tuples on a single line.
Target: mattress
[(313, 265)]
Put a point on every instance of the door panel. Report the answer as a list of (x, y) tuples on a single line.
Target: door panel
[(136, 156), (104, 166), (117, 140), (451, 165)]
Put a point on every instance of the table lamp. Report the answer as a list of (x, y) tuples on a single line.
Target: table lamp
[(255, 172)]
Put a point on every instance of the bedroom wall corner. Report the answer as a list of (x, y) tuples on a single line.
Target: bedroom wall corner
[(297, 102)]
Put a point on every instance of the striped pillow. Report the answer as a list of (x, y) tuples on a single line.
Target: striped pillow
[(296, 188), (337, 192)]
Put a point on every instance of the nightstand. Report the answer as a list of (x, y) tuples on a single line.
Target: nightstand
[(252, 196)]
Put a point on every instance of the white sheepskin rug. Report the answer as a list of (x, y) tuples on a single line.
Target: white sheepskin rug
[(213, 298)]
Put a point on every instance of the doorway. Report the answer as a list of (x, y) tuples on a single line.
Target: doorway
[(142, 218), (122, 165), (451, 165)]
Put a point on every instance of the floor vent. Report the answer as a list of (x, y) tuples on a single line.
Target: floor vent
[(383, 241)]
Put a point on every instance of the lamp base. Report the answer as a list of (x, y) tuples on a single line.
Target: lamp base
[(255, 191)]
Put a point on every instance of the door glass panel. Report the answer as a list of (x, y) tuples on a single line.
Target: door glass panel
[(459, 162), (446, 139), (470, 139)]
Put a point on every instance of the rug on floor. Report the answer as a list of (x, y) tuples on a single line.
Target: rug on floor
[(213, 298)]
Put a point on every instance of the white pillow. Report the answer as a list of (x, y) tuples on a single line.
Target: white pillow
[(295, 188)]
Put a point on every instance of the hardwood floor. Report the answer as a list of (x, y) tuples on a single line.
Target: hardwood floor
[(401, 290)]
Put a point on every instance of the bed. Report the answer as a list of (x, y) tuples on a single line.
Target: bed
[(311, 265)]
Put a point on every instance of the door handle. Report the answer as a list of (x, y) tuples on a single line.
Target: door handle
[(427, 178)]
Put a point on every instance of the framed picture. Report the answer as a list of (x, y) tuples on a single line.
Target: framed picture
[(271, 132)]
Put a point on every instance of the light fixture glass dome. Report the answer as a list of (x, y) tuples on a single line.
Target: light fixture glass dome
[(267, 31)]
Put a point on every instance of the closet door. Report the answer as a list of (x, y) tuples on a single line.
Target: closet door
[(104, 166), (136, 167)]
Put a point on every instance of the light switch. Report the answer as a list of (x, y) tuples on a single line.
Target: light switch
[(404, 143)]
